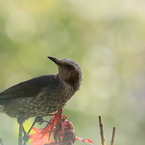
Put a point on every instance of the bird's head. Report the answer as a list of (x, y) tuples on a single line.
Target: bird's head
[(69, 71)]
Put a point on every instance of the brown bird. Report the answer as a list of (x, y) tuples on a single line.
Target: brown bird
[(42, 95)]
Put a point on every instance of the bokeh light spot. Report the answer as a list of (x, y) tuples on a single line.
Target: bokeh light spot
[(20, 26)]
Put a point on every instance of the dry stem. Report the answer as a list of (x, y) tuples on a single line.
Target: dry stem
[(113, 136), (101, 125)]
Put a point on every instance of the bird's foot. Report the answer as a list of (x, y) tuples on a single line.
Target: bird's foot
[(39, 120)]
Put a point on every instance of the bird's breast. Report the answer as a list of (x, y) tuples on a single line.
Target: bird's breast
[(48, 102)]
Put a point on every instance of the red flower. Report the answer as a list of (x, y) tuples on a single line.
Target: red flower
[(39, 138), (58, 131), (84, 140)]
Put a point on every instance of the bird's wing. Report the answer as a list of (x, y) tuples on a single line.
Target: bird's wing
[(30, 88)]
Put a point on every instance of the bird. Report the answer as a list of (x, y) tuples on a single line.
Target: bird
[(42, 95)]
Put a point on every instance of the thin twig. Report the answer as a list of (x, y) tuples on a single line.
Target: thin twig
[(102, 131), (113, 136)]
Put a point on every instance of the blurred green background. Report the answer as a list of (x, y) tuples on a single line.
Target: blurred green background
[(107, 39)]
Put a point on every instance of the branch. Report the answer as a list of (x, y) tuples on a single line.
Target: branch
[(113, 136), (101, 125)]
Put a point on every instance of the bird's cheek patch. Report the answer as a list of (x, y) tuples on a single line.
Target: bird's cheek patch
[(74, 77)]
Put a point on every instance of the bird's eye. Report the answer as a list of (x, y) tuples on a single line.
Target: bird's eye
[(69, 66)]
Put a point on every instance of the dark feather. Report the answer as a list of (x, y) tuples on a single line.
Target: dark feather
[(30, 88)]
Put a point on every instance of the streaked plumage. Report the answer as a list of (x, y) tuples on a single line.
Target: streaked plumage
[(42, 95)]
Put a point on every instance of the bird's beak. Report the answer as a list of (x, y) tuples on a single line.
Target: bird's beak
[(55, 60)]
